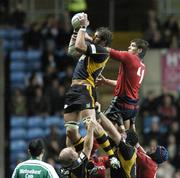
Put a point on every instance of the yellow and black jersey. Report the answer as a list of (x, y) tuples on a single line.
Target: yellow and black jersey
[(127, 157), (90, 66), (79, 169)]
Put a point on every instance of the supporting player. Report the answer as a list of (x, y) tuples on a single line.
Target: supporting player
[(126, 151), (74, 164), (146, 162)]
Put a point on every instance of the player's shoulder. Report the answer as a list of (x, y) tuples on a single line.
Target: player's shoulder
[(95, 48), (21, 164), (43, 164)]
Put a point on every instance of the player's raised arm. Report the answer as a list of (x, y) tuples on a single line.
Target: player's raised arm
[(80, 43), (76, 25), (71, 48)]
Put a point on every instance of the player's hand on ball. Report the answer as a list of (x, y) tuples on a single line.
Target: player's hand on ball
[(79, 20), (84, 22)]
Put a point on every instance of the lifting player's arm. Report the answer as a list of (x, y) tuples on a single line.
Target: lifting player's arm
[(80, 43), (71, 48), (108, 126), (89, 139)]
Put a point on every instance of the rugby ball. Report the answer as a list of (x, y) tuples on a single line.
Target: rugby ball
[(75, 20)]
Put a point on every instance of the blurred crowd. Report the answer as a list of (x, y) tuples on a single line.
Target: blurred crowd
[(160, 125), (44, 92), (160, 34)]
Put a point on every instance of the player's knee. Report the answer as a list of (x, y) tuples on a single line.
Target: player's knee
[(72, 128)]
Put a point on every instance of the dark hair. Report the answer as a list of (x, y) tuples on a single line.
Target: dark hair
[(36, 147), (132, 137), (105, 34), (141, 44)]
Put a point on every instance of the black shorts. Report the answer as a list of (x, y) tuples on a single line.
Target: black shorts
[(119, 110), (79, 97)]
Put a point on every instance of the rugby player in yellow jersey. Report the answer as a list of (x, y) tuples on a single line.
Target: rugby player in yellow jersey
[(81, 97)]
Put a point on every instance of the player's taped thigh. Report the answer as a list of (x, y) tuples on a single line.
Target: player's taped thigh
[(71, 125)]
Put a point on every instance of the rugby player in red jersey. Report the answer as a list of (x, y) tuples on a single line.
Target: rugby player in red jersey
[(124, 106), (147, 163)]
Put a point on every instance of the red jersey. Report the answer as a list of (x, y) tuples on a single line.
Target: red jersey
[(102, 162), (130, 75), (146, 167)]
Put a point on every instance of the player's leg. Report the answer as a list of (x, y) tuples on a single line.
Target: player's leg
[(130, 118), (72, 127), (113, 113), (74, 103)]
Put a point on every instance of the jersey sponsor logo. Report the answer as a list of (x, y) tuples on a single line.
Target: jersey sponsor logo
[(31, 171), (29, 176)]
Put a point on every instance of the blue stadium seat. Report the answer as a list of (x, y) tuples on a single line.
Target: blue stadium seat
[(4, 34), (17, 146), (35, 122), (17, 66), (12, 45), (17, 85), (18, 55), (34, 60), (18, 77), (34, 133), (17, 44), (7, 45), (61, 123), (34, 66), (52, 120), (18, 122), (16, 34), (34, 55), (18, 157), (62, 131), (18, 134)]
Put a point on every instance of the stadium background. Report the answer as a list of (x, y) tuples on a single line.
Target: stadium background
[(32, 50)]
